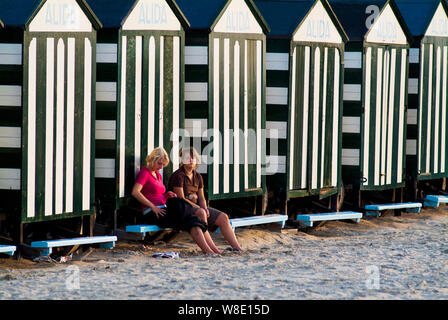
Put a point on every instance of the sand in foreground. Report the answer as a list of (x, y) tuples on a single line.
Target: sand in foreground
[(381, 258)]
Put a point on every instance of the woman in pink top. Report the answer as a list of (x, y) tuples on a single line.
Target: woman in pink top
[(161, 207)]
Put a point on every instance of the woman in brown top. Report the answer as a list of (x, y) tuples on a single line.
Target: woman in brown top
[(187, 183)]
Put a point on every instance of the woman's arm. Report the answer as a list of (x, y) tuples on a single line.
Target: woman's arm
[(180, 193), (201, 199), (137, 194)]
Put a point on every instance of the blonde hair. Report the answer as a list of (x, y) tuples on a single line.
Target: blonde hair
[(192, 152), (155, 155)]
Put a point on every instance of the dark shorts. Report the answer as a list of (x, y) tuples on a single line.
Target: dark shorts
[(211, 220), (178, 215)]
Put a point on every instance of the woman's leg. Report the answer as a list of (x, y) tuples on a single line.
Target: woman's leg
[(203, 215), (223, 223), (210, 242), (198, 237)]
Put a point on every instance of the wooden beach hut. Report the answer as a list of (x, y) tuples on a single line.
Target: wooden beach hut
[(375, 97), (426, 146), (139, 94), (47, 112), (225, 94), (6, 249), (305, 59)]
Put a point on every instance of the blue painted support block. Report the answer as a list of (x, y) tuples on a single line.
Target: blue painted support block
[(374, 209), (143, 228), (47, 245), (435, 200), (308, 219), (255, 220), (9, 250)]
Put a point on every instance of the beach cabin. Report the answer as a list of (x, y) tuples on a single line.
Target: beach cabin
[(375, 97), (140, 74), (3, 247), (47, 111), (304, 71), (426, 146), (225, 94)]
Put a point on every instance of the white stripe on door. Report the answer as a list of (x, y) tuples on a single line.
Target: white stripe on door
[(122, 117), (216, 107), (60, 106), (138, 104), (443, 133), (401, 113), (236, 118), (306, 86), (225, 129), (428, 132), (258, 110), (323, 121), (316, 105), (151, 93), (69, 157), (87, 124), (436, 111), (31, 152), (176, 99), (391, 107), (246, 104), (49, 124), (334, 152), (379, 81), (366, 147), (384, 125), (161, 91), (419, 139), (292, 118)]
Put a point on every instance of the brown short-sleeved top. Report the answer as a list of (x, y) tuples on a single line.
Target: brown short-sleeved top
[(180, 179)]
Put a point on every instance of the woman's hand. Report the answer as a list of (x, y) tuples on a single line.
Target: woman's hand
[(170, 194), (206, 211), (160, 212), (193, 197)]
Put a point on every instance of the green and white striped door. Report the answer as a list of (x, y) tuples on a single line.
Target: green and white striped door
[(315, 113), (432, 114), (383, 123), (58, 122), (149, 99), (236, 116)]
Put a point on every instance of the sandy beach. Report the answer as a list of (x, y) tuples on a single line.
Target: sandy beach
[(389, 257)]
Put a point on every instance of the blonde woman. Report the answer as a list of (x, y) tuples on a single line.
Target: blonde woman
[(188, 184), (161, 207)]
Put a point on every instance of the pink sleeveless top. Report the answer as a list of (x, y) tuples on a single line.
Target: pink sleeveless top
[(153, 189)]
